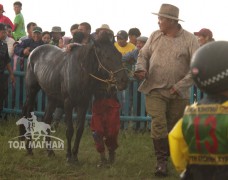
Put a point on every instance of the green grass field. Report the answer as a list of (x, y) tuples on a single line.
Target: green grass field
[(134, 159)]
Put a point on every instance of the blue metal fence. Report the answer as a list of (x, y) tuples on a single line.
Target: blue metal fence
[(133, 111)]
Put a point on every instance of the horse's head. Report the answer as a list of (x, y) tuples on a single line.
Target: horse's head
[(110, 62), (21, 121)]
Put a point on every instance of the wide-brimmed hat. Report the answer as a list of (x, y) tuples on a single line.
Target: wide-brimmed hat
[(204, 32), (1, 8), (169, 11), (57, 29), (104, 27)]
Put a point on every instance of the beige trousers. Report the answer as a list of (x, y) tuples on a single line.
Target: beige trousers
[(165, 112)]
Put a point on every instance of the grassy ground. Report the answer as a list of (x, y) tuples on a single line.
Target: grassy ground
[(135, 159)]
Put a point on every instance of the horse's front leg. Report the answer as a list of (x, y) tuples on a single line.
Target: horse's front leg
[(81, 115), (48, 119), (70, 129)]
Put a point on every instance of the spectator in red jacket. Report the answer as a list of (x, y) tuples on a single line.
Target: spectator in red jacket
[(5, 19)]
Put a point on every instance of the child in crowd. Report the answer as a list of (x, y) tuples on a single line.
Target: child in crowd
[(19, 23), (46, 37), (199, 142), (105, 121)]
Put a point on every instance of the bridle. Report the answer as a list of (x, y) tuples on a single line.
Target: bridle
[(112, 79)]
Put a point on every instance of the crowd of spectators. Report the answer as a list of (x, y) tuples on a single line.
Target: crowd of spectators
[(161, 62)]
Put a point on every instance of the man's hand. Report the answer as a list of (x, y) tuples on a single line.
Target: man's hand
[(140, 75), (26, 51), (173, 91), (69, 47)]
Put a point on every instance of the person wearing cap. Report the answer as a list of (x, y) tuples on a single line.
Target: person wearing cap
[(5, 19), (132, 56), (105, 120), (24, 48), (122, 45), (30, 26), (204, 36), (19, 23), (133, 34), (163, 65), (198, 141), (4, 64)]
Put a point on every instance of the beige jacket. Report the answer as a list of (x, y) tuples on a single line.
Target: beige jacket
[(167, 61)]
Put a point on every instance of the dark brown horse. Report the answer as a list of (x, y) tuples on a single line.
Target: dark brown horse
[(69, 79)]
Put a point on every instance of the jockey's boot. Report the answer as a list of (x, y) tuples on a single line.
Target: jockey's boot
[(161, 148), (111, 158), (103, 160)]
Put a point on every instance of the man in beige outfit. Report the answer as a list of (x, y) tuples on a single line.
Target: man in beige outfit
[(163, 65)]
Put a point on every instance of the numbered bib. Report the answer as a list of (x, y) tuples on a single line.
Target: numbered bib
[(205, 129)]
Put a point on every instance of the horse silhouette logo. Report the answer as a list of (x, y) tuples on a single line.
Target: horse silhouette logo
[(34, 128)]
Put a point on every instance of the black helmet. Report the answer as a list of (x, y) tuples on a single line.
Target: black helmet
[(209, 67)]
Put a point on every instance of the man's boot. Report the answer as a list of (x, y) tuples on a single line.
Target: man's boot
[(161, 148)]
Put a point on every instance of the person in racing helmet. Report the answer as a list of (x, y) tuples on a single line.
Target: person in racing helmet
[(199, 141)]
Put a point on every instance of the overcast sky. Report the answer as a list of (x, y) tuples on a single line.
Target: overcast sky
[(122, 14)]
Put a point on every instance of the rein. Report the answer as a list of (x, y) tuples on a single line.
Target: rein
[(112, 79)]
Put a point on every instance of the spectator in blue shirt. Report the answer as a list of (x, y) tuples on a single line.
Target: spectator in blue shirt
[(24, 48), (131, 57)]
